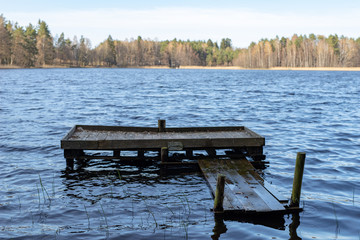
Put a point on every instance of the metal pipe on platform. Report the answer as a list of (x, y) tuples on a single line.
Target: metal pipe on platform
[(298, 175)]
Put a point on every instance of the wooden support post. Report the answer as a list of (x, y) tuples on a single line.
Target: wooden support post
[(161, 125), (298, 175), (164, 154), (256, 153), (219, 194), (116, 153), (140, 153), (69, 164), (211, 152), (189, 153)]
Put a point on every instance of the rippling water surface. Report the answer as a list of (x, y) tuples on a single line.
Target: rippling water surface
[(314, 112)]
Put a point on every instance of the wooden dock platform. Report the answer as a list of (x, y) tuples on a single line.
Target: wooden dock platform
[(245, 191), (142, 139)]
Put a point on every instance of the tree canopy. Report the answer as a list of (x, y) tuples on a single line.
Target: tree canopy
[(34, 46)]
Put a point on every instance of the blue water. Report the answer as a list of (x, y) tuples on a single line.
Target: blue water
[(316, 112)]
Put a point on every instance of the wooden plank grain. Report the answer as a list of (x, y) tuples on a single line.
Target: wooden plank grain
[(257, 195), (242, 190), (254, 184), (246, 192), (213, 167), (211, 179), (88, 137), (247, 165)]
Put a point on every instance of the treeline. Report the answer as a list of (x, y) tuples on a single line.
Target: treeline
[(301, 51), (34, 46)]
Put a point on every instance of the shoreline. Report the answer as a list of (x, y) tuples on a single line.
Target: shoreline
[(347, 69), (352, 69)]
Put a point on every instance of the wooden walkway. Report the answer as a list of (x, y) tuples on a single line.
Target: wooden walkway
[(245, 191)]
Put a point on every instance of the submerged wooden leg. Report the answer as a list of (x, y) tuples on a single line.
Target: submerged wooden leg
[(211, 152), (256, 153), (189, 153), (70, 164), (116, 153), (164, 154), (140, 153)]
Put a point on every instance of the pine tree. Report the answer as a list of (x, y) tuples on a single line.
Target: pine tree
[(19, 47), (110, 54), (46, 51), (60, 48), (30, 46), (5, 42)]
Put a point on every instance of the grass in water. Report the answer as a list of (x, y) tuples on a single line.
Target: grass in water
[(186, 226), (106, 222), (53, 186), (118, 172), (150, 212), (44, 190), (172, 212), (37, 186), (187, 202)]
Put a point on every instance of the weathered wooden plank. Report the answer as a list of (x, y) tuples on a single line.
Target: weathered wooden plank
[(244, 191), (89, 136), (152, 143), (70, 133), (210, 173), (153, 129), (258, 195), (102, 136), (280, 197), (239, 199), (223, 137), (211, 179), (249, 176), (240, 192), (230, 202), (240, 165)]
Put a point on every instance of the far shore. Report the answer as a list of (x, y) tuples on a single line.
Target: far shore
[(356, 69), (278, 68)]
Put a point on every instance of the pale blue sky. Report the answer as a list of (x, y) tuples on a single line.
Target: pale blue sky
[(242, 21)]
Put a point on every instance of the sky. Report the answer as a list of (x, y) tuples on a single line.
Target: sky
[(241, 21)]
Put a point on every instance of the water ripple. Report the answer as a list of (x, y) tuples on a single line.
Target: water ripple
[(315, 112)]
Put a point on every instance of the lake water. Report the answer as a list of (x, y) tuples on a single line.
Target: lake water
[(312, 111)]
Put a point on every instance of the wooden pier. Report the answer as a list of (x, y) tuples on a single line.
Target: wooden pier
[(245, 192)]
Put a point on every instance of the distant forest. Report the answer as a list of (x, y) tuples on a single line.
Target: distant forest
[(34, 46)]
